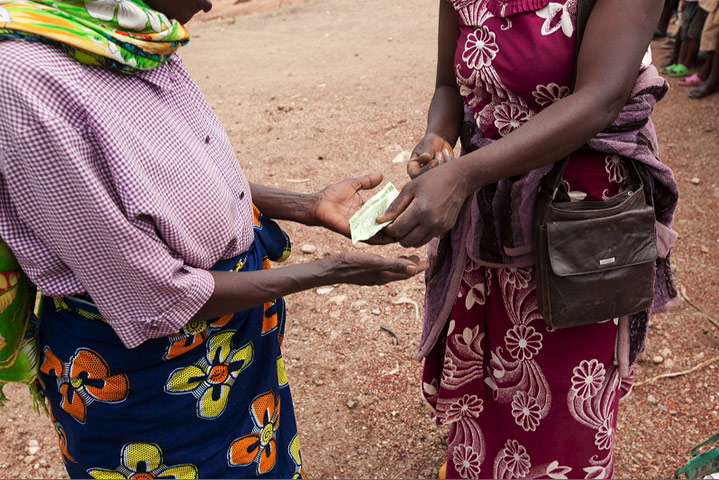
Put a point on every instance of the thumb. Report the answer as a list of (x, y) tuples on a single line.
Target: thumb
[(368, 182), (399, 205)]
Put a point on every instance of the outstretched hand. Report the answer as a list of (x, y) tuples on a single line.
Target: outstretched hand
[(432, 151), (337, 202), (368, 269)]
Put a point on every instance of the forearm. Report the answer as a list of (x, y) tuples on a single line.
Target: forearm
[(446, 113), (284, 204), (238, 291), (549, 136)]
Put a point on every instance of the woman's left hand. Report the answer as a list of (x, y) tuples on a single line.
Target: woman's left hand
[(427, 206), (337, 202)]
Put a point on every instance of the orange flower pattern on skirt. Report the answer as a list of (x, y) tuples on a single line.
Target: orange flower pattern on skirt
[(260, 446), (84, 379), (192, 335)]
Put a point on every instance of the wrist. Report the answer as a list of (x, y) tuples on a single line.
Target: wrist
[(465, 174)]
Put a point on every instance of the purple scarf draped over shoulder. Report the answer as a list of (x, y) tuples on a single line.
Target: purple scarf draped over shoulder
[(494, 227)]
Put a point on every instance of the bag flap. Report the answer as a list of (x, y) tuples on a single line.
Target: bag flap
[(593, 245)]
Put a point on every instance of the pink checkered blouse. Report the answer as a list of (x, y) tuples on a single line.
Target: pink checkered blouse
[(124, 188)]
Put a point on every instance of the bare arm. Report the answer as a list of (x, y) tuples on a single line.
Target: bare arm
[(615, 40), (446, 111), (238, 291)]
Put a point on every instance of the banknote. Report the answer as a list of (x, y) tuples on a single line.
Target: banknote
[(363, 223)]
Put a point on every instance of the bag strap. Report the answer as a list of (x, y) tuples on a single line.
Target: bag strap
[(554, 177)]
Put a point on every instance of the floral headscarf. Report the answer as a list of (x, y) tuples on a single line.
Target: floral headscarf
[(125, 35)]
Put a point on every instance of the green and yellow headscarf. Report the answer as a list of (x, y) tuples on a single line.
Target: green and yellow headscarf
[(124, 35)]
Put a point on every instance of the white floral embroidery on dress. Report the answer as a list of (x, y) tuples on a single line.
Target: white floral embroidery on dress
[(513, 461), (467, 406), (519, 277), (129, 15), (587, 378), (480, 48), (526, 411), (554, 470), (508, 117), (615, 168), (523, 342), (4, 15), (550, 93), (556, 16), (604, 438), (466, 461), (475, 295)]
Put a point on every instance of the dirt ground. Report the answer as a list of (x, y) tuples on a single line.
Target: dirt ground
[(317, 91)]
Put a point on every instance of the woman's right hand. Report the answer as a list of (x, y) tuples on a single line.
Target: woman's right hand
[(430, 152), (368, 269)]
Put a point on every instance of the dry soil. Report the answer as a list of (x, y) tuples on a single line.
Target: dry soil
[(314, 92)]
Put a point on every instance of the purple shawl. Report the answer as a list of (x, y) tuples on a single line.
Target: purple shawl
[(494, 227)]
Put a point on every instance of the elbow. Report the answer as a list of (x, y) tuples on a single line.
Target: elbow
[(614, 105), (607, 108)]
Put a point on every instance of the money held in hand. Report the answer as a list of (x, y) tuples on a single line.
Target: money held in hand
[(363, 223)]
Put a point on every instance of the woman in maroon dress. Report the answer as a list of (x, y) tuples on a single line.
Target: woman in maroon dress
[(522, 399)]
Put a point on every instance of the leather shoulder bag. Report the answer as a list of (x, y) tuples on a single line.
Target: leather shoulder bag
[(595, 260)]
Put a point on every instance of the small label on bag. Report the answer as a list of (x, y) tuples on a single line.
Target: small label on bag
[(607, 261)]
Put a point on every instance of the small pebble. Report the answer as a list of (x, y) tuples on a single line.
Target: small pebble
[(308, 249), (351, 404), (33, 450), (318, 382), (376, 311), (695, 181), (338, 299), (705, 249), (402, 157), (29, 459), (665, 352), (668, 363), (651, 399), (658, 359)]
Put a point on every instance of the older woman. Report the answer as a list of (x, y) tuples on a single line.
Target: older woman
[(122, 199)]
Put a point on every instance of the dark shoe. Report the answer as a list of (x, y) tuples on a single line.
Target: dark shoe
[(658, 35)]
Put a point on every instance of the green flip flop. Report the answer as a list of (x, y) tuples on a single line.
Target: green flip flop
[(679, 71), (669, 68)]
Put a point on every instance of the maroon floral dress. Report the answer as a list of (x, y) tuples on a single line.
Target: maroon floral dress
[(521, 399)]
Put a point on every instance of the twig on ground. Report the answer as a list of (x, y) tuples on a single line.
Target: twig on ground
[(677, 374), (683, 292), (396, 338), (409, 301)]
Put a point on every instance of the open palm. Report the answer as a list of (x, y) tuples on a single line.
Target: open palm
[(336, 203)]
